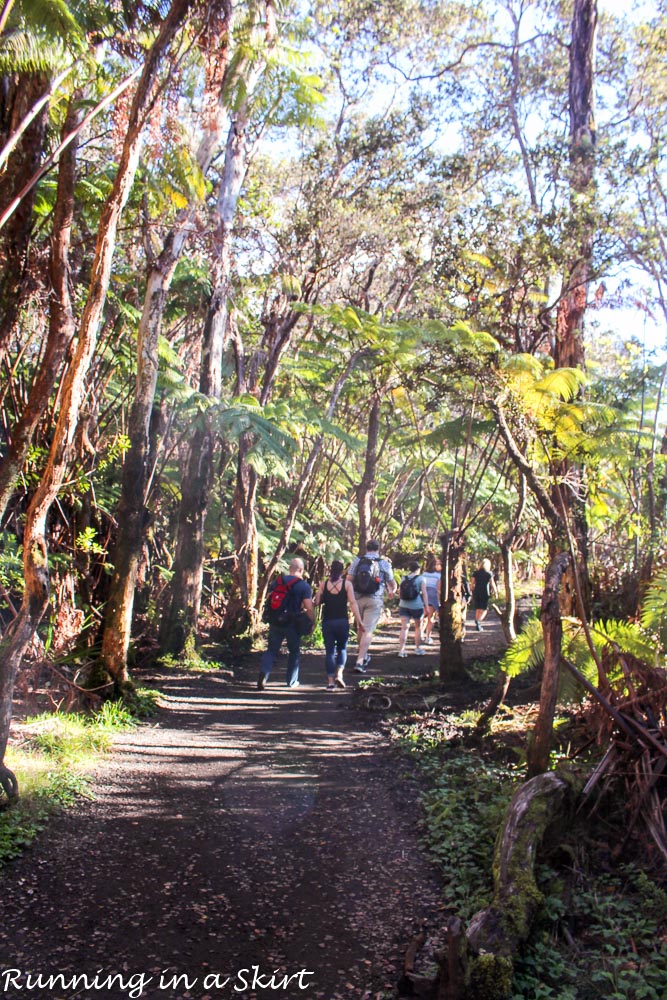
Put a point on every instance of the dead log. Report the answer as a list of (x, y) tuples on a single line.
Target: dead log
[(538, 810)]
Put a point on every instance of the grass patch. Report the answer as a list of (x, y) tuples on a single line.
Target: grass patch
[(51, 763), (192, 662)]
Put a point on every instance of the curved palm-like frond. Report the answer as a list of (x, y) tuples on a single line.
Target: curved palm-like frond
[(46, 18), (526, 652), (22, 52), (624, 636), (654, 608), (563, 383)]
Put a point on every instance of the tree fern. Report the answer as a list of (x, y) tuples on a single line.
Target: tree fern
[(526, 652), (654, 608)]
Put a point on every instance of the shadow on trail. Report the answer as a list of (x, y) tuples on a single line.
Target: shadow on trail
[(241, 830)]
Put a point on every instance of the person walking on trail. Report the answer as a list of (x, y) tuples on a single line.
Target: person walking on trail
[(413, 600), (334, 596), (371, 576), (290, 614), (432, 577), (483, 588)]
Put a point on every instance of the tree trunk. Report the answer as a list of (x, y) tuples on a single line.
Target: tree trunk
[(22, 95), (452, 609), (366, 488), (61, 319), (569, 343), (539, 747), (245, 524), (133, 515), (35, 558), (509, 611), (506, 551), (179, 626)]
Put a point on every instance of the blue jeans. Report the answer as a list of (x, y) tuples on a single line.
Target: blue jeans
[(336, 632), (277, 635)]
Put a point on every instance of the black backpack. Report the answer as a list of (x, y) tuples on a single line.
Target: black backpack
[(408, 589), (278, 610), (367, 578)]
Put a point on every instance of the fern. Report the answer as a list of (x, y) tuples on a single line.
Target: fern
[(654, 609), (625, 636), (526, 652)]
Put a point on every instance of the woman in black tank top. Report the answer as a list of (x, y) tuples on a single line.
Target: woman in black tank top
[(335, 595)]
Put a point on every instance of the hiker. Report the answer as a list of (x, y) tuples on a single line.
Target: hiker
[(290, 614), (371, 575), (432, 578), (335, 595), (412, 603), (483, 587)]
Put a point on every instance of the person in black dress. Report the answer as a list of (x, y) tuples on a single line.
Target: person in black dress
[(483, 588)]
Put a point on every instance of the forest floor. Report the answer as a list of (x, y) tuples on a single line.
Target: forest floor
[(239, 835)]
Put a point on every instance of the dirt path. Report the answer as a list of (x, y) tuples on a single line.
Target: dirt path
[(242, 833)]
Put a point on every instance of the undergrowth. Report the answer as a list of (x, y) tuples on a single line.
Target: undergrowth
[(51, 762), (600, 934), (192, 662)]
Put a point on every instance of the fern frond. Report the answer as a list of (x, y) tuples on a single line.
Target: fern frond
[(563, 383), (654, 608), (526, 652), (626, 637)]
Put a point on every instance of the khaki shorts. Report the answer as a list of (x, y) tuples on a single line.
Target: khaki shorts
[(370, 609)]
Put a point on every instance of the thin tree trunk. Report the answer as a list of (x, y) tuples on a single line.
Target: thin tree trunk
[(61, 319), (35, 558), (366, 489), (569, 343), (506, 550), (539, 747), (245, 524)]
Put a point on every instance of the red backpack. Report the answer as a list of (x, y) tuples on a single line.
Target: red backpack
[(277, 610)]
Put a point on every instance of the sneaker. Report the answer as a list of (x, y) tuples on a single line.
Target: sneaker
[(419, 651), (429, 641), (366, 660), (402, 654), (359, 668), (339, 682), (261, 682), (478, 626), (331, 687), (294, 684)]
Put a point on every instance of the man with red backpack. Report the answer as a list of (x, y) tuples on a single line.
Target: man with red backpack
[(290, 614)]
